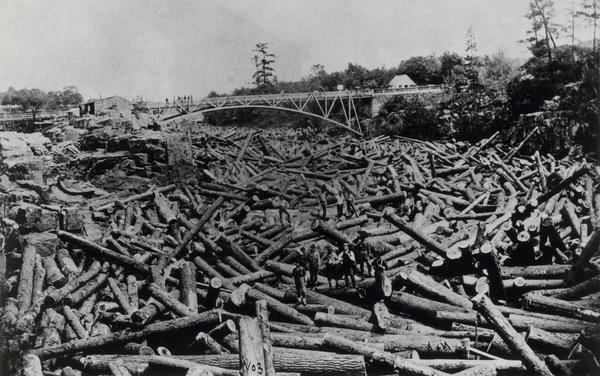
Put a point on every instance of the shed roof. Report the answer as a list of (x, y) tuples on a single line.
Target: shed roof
[(401, 80)]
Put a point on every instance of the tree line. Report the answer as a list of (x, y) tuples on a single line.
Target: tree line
[(488, 93), (35, 100)]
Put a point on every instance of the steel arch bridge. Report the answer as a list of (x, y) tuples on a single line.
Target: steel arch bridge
[(318, 104)]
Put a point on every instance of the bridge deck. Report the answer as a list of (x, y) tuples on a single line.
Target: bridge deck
[(319, 104), (275, 99)]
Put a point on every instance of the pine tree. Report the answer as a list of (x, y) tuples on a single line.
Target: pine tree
[(542, 14), (591, 12), (263, 61), (471, 60)]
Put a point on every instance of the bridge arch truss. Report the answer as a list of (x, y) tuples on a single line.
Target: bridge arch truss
[(319, 105)]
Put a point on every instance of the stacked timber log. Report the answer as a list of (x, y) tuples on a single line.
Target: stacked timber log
[(482, 261)]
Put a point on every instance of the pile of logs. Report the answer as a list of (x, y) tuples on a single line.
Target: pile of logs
[(491, 265)]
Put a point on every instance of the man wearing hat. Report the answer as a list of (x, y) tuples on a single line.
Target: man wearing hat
[(314, 262), (348, 264), (299, 274), (362, 252), (331, 265)]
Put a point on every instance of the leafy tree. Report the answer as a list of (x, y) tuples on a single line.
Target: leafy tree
[(450, 63), (497, 71), (214, 94), (422, 69), (68, 97), (356, 76), (264, 76), (408, 116), (317, 72), (29, 99), (10, 97)]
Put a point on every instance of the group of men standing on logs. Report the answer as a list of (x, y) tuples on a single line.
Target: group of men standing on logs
[(346, 262), (344, 202)]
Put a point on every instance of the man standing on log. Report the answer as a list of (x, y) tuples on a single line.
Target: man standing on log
[(349, 264), (339, 203), (350, 205), (322, 199), (283, 207), (299, 274), (314, 261), (362, 253), (331, 265), (380, 278)]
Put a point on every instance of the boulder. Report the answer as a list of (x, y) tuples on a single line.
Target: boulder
[(20, 155), (31, 217)]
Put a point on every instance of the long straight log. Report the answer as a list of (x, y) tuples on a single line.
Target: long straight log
[(262, 315), (137, 197), (307, 235), (331, 233), (168, 300), (120, 296), (170, 362), (187, 285), (537, 302), (25, 289), (92, 343), (563, 184), (305, 362), (402, 366), (535, 271), (230, 246), (56, 296), (206, 216), (590, 249), (279, 307), (252, 358), (454, 365), (415, 234), (251, 277), (430, 287), (89, 288), (561, 343), (274, 248), (405, 302), (577, 291), (286, 269), (511, 337), (104, 253)]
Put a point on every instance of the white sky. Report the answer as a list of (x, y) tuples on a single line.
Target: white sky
[(160, 48)]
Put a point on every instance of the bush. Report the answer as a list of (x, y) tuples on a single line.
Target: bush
[(410, 117), (474, 113)]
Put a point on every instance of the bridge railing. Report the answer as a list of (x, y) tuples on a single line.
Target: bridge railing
[(318, 95)]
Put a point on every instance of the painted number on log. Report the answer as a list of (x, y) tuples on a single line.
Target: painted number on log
[(251, 367)]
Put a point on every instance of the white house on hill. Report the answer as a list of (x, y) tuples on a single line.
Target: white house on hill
[(401, 81)]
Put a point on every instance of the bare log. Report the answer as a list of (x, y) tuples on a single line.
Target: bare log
[(510, 336)]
